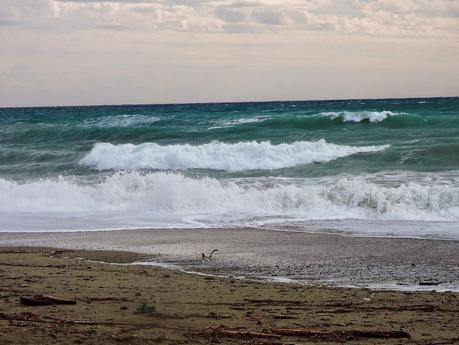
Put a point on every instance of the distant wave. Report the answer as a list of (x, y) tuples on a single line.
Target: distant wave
[(240, 121), (125, 120), (310, 120), (359, 116), (174, 195), (240, 156)]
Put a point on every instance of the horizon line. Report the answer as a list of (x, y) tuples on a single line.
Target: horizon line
[(222, 102)]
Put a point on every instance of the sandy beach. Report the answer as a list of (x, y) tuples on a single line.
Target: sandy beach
[(132, 304), (327, 259), (123, 297)]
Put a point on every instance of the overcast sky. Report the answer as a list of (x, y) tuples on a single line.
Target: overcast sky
[(72, 52)]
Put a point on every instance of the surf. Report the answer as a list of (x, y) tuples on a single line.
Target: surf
[(232, 157), (232, 202)]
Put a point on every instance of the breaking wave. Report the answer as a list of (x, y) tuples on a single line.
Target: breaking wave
[(240, 156), (223, 202), (359, 116)]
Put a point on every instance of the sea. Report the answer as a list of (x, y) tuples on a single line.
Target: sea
[(381, 167)]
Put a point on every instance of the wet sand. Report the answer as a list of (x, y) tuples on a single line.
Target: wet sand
[(402, 263), (180, 308)]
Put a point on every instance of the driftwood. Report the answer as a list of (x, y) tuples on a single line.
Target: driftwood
[(240, 333), (271, 301), (284, 317), (340, 335), (32, 317), (381, 334), (426, 308), (277, 333), (40, 300)]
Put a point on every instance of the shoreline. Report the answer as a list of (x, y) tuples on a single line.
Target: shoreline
[(126, 303), (307, 258), (321, 227), (330, 232)]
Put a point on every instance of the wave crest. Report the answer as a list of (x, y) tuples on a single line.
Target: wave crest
[(238, 202), (237, 122), (240, 156), (124, 120), (359, 116)]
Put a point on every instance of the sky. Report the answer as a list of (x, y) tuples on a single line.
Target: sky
[(82, 52)]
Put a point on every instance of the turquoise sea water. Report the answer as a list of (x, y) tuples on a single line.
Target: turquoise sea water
[(233, 164)]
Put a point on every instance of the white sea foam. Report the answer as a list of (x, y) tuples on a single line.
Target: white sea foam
[(126, 200), (236, 122), (240, 156), (125, 120), (359, 116)]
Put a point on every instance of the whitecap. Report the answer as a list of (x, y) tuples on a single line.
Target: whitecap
[(359, 116), (241, 156), (124, 120), (146, 200), (240, 121)]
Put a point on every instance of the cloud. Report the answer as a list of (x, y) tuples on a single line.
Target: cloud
[(269, 16), (146, 51), (434, 18), (230, 15)]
